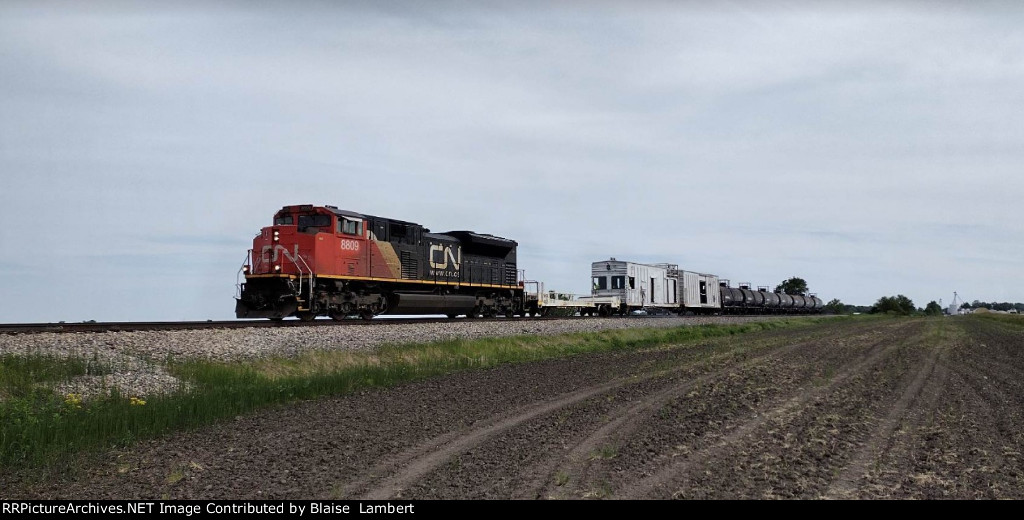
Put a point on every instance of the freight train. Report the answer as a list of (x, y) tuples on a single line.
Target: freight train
[(324, 261)]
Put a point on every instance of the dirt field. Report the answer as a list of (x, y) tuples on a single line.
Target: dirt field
[(908, 408)]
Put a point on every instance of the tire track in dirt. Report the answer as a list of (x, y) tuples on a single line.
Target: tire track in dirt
[(941, 466), (937, 467), (388, 479), (846, 484), (646, 486), (416, 462), (628, 420), (410, 465), (957, 441), (989, 398)]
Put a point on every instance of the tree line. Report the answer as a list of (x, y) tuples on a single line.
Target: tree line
[(898, 305), (993, 306)]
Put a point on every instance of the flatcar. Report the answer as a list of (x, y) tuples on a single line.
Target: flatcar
[(323, 261)]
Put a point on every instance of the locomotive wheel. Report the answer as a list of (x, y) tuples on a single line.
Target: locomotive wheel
[(306, 316), (603, 311), (366, 314), (452, 316), (337, 316)]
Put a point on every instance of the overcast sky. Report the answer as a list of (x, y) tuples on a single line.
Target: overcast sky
[(870, 148)]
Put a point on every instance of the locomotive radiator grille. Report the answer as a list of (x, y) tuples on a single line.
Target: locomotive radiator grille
[(410, 266)]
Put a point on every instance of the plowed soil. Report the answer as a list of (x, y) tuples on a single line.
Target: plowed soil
[(907, 408)]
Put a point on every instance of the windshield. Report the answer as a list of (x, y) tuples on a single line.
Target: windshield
[(313, 221)]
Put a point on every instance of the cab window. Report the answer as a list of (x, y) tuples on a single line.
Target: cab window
[(283, 220), (618, 282), (600, 283), (350, 227), (312, 222)]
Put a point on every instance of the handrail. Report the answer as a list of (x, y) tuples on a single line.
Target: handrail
[(312, 280), (238, 275)]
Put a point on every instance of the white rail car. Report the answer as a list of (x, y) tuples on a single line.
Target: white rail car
[(636, 285), (698, 292)]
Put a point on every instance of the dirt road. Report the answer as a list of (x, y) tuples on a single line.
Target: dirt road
[(848, 409)]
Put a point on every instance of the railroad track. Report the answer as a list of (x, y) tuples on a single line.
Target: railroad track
[(126, 326)]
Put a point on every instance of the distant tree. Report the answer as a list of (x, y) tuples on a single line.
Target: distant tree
[(898, 304), (835, 306), (905, 303), (933, 309), (792, 286), (965, 305), (1019, 307)]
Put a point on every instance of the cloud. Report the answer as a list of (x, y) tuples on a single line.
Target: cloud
[(852, 143)]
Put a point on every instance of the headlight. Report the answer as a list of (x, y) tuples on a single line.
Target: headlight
[(276, 236), (245, 269), (277, 268)]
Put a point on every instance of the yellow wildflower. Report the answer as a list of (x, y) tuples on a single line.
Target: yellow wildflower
[(73, 400)]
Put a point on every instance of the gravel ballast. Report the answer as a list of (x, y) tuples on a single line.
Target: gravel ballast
[(136, 358)]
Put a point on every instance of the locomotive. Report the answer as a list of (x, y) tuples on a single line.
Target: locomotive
[(323, 261)]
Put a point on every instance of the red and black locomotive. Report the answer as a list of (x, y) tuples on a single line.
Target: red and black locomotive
[(323, 261)]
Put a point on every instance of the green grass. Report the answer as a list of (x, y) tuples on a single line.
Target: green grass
[(32, 415), (23, 376), (38, 427), (1008, 320)]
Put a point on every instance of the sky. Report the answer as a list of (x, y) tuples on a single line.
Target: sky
[(871, 148)]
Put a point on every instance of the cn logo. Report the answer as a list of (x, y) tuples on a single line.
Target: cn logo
[(445, 254), (278, 249)]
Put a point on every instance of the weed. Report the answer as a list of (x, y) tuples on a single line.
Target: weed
[(561, 478), (175, 476), (605, 452)]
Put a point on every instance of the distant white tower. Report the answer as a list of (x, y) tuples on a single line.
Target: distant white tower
[(954, 307)]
